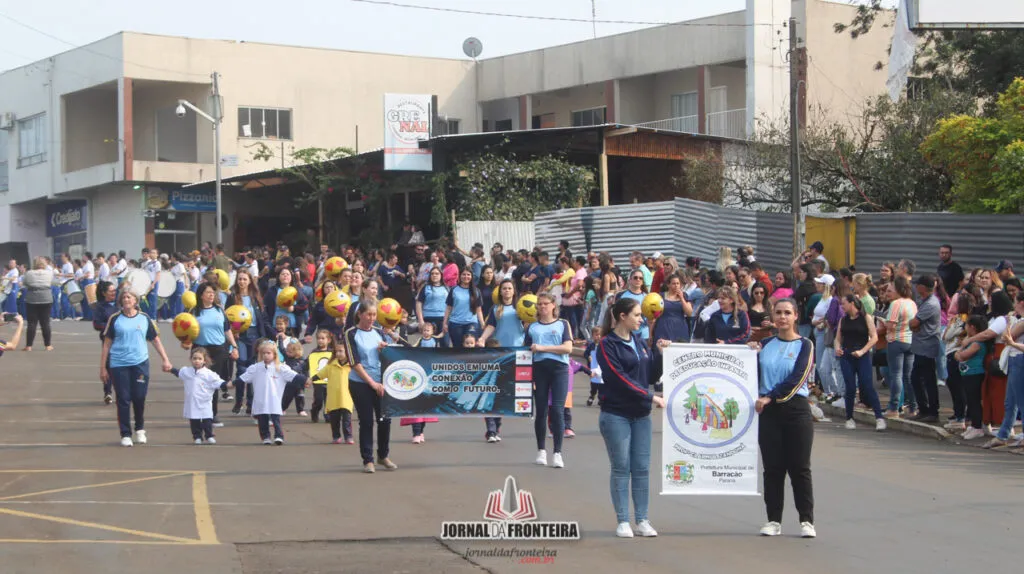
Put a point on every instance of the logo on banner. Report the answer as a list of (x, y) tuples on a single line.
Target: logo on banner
[(405, 380), (679, 473), (409, 121), (524, 389), (710, 410), (510, 514), (65, 217), (524, 405), (524, 357)]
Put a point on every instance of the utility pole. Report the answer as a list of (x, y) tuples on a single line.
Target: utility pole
[(218, 117), (794, 140)]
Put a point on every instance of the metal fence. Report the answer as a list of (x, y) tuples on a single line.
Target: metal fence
[(977, 240), (682, 228), (511, 234)]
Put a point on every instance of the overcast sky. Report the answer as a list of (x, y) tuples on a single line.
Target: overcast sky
[(343, 24)]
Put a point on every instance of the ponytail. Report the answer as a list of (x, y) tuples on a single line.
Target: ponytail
[(621, 307)]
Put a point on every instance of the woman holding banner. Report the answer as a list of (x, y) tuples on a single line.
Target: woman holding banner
[(785, 426), (625, 420), (506, 328)]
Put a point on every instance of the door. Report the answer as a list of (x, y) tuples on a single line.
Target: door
[(684, 113)]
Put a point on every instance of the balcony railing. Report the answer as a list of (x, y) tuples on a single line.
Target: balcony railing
[(728, 124), (683, 124)]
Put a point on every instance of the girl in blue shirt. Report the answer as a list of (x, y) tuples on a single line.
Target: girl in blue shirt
[(636, 289), (432, 300), (215, 336), (785, 426), (363, 343), (504, 324), (246, 293), (730, 325), (463, 314), (550, 339)]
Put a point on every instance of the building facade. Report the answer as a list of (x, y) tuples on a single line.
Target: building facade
[(92, 134)]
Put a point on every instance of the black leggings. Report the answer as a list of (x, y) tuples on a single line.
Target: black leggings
[(38, 313), (786, 434), (220, 361), (549, 377)]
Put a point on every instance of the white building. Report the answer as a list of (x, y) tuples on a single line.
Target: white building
[(90, 139)]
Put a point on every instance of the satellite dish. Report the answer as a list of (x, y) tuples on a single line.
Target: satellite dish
[(472, 47)]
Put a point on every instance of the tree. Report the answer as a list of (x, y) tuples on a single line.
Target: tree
[(495, 186), (872, 165), (692, 398), (731, 409), (984, 156), (979, 62)]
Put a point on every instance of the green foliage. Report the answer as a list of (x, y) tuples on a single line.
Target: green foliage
[(731, 408), (984, 156), (501, 187)]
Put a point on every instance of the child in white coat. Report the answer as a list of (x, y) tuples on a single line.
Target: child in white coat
[(269, 377), (200, 385)]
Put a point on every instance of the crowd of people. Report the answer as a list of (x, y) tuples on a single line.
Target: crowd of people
[(829, 333)]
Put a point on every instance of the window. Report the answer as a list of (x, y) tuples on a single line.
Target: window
[(265, 123), (684, 105), (591, 117), (543, 121), (487, 126), (451, 127), (3, 160), (32, 140), (503, 125)]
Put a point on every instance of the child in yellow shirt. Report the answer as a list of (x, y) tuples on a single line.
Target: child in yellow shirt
[(339, 400)]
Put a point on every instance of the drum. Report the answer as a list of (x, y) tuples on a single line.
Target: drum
[(137, 281), (90, 294), (165, 287), (73, 292)]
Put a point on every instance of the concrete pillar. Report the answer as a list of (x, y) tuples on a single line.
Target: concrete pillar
[(125, 132), (525, 112), (611, 101), (703, 82)]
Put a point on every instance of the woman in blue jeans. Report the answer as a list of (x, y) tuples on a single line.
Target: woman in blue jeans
[(902, 310), (625, 420), (1013, 337), (855, 338), (463, 312), (125, 363)]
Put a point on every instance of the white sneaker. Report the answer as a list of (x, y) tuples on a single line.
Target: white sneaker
[(140, 436), (126, 441), (850, 424), (267, 441), (198, 441), (972, 433), (644, 528), (556, 460), (771, 529), (807, 530), (542, 458), (880, 424), (211, 440), (278, 441), (988, 430), (624, 530)]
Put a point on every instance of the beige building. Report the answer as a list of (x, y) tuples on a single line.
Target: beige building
[(94, 130)]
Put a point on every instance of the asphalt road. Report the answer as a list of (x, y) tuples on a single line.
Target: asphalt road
[(72, 500)]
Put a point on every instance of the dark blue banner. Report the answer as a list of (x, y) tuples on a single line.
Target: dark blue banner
[(65, 217), (492, 382)]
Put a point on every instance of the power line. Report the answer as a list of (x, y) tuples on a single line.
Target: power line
[(91, 51), (390, 4)]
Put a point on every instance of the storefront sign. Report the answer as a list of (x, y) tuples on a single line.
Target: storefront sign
[(439, 382), (181, 200), (709, 444), (65, 217), (406, 124)]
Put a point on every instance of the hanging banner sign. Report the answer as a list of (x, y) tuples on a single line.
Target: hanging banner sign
[(66, 217), (406, 124), (181, 200), (438, 382), (709, 438)]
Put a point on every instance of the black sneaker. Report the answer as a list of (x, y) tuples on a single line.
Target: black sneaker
[(590, 401), (315, 417), (236, 409), (225, 396), (107, 399)]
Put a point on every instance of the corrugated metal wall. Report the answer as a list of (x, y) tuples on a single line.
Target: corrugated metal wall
[(977, 240), (682, 228), (511, 234)]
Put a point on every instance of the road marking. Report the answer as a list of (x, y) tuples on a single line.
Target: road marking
[(73, 522), (83, 487), (204, 518), (105, 471), (37, 541), (138, 503)]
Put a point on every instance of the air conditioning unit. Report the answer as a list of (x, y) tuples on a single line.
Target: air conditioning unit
[(7, 121)]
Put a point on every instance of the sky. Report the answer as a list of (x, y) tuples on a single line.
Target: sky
[(341, 24)]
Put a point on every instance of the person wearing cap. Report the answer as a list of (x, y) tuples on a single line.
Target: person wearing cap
[(822, 338), (1005, 270), (659, 272), (926, 349)]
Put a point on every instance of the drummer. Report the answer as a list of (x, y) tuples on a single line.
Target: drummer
[(150, 263)]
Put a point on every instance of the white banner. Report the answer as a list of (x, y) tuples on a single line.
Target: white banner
[(406, 124), (709, 436)]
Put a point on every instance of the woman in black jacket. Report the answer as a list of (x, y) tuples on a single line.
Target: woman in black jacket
[(625, 420)]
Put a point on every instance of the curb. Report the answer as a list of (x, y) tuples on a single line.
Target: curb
[(893, 424)]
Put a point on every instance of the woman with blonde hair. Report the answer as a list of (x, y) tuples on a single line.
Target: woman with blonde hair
[(38, 301), (862, 289), (725, 258), (729, 324)]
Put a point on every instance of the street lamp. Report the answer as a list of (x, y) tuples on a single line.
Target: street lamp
[(215, 119)]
